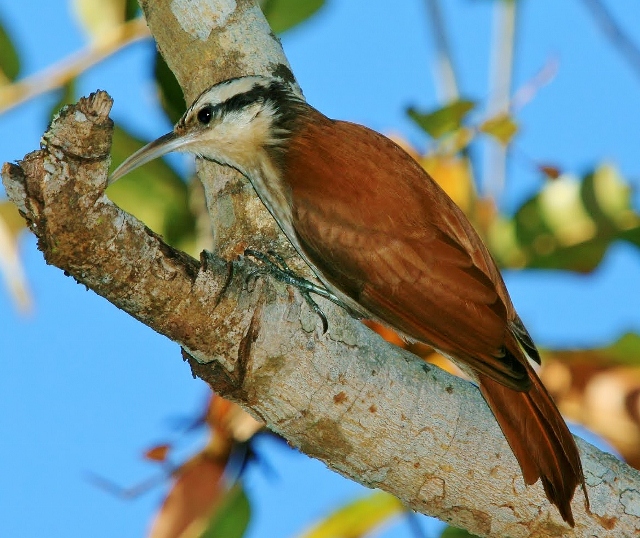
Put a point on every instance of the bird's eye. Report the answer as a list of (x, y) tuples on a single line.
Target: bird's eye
[(205, 114)]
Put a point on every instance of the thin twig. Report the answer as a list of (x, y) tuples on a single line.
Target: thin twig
[(501, 80), (614, 32), (59, 74), (526, 93), (445, 72)]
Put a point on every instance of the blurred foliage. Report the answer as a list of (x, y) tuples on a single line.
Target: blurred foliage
[(131, 9), (195, 496), (444, 120), (11, 225), (623, 352), (600, 388), (501, 127), (154, 193), (231, 519), (66, 95), (283, 15), (170, 92), (9, 58), (11, 218), (358, 518), (569, 224), (98, 17), (200, 503), (205, 496), (454, 532), (454, 176)]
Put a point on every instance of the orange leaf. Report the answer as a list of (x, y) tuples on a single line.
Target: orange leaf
[(552, 172), (231, 421), (192, 499), (385, 332), (453, 175), (158, 453)]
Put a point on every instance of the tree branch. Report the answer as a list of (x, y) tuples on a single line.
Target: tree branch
[(369, 410), (502, 55), (61, 73)]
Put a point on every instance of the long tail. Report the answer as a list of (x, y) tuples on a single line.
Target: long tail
[(539, 438)]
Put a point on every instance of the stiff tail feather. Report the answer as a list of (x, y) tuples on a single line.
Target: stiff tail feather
[(539, 438)]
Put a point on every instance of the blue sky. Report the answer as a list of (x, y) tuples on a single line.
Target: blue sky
[(85, 388)]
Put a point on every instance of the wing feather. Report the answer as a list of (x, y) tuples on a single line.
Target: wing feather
[(396, 245), (428, 277)]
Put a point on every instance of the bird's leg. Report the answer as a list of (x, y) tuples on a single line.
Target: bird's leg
[(276, 266)]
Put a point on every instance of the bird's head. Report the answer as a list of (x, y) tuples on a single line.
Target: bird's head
[(234, 123)]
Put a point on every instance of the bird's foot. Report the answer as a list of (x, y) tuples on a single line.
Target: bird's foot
[(275, 265)]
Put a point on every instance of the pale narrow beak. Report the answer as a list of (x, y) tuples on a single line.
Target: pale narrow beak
[(159, 147)]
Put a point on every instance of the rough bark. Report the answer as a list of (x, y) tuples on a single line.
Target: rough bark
[(368, 410)]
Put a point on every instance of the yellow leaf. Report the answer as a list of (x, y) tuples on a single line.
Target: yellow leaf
[(562, 208), (453, 175), (501, 127), (358, 518), (612, 193), (11, 224), (99, 17)]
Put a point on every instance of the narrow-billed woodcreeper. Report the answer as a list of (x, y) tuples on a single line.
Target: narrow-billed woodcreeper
[(386, 241)]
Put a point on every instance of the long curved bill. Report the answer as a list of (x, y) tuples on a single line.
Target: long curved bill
[(159, 147)]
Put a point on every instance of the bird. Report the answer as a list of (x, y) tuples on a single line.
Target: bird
[(389, 244)]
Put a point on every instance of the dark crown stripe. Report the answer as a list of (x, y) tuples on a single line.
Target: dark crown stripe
[(275, 94)]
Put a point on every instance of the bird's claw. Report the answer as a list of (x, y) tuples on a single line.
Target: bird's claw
[(275, 265)]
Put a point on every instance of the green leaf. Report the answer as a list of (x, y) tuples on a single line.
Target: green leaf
[(453, 532), (606, 198), (154, 193), (501, 127), (171, 96), (131, 10), (443, 121), (358, 518), (231, 518), (569, 224), (283, 15), (623, 352), (66, 95), (9, 59)]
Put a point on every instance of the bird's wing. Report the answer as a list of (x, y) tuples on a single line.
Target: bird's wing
[(377, 228), (384, 234)]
